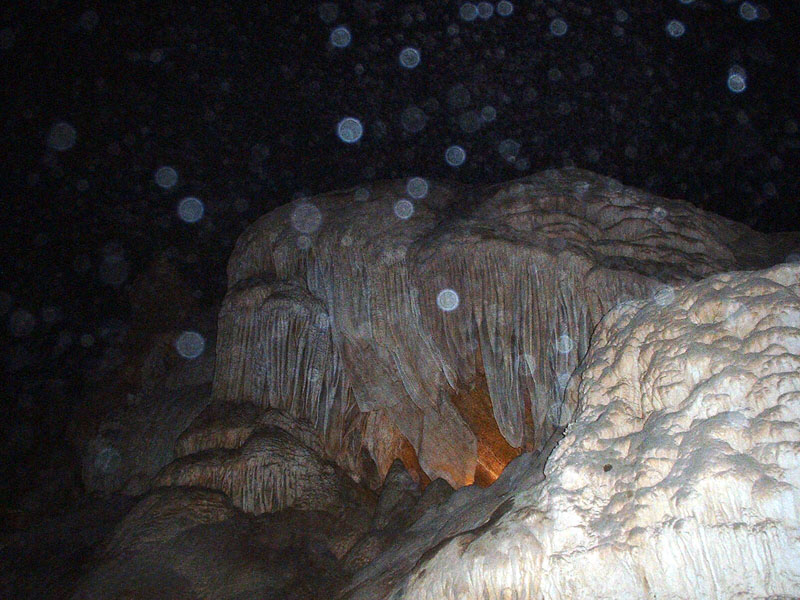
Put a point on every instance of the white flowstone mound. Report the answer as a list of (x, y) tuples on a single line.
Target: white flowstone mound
[(678, 478), (367, 311)]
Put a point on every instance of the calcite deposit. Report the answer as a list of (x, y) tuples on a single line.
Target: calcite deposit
[(270, 471), (679, 476), (617, 373), (394, 303)]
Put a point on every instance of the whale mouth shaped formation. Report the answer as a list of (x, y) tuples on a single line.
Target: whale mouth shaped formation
[(617, 372)]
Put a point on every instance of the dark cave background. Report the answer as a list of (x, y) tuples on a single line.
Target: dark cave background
[(243, 102)]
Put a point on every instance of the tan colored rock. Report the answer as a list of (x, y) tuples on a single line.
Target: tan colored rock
[(401, 307), (229, 425), (271, 471), (400, 505), (287, 361)]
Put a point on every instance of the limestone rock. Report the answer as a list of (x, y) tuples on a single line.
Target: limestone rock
[(678, 478), (398, 497), (278, 351), (320, 532), (405, 506), (444, 515), (452, 333), (398, 304), (271, 471), (229, 425), (394, 512), (435, 494)]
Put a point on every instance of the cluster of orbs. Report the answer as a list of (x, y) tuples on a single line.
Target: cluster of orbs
[(470, 11), (190, 209)]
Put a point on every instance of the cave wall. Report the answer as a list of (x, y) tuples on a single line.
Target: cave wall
[(393, 299)]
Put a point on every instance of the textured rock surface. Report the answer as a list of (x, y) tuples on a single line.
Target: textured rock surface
[(391, 305), (270, 471), (229, 425), (399, 505), (194, 544), (376, 339), (441, 516), (679, 477)]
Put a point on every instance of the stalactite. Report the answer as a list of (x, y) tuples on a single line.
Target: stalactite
[(351, 314), (271, 471)]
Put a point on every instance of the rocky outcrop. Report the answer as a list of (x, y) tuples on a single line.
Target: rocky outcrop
[(194, 544), (394, 304), (400, 504), (270, 471), (587, 349), (679, 476)]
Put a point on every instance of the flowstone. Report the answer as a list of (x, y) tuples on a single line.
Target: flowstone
[(376, 313), (678, 478), (379, 347)]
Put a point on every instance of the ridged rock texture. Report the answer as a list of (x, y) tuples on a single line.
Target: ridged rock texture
[(440, 324), (399, 341), (270, 471), (679, 476)]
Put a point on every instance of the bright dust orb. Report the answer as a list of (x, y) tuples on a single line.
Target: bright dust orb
[(190, 344), (447, 300)]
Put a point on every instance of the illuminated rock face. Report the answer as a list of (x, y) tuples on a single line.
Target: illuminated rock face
[(678, 478), (270, 471), (441, 324), (461, 332)]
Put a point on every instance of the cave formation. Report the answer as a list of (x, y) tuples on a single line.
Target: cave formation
[(382, 349)]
